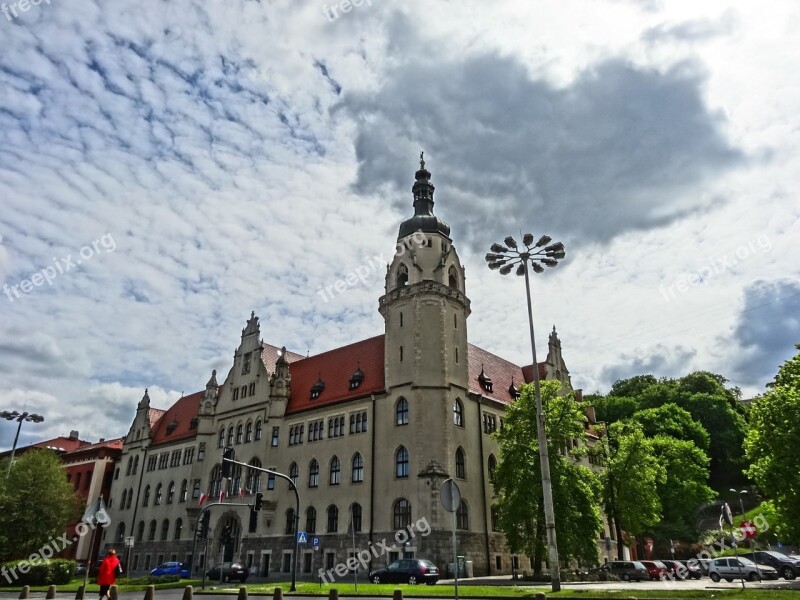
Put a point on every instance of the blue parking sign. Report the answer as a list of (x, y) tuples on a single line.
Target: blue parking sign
[(315, 542)]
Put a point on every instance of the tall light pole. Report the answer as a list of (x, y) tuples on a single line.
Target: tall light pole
[(19, 418), (504, 258)]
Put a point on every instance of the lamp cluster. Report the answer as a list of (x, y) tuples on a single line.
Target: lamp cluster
[(20, 417), (505, 256)]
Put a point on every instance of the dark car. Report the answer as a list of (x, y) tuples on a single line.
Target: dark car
[(693, 568), (230, 572), (407, 570), (655, 569), (171, 568), (80, 569), (786, 566), (627, 570), (676, 570)]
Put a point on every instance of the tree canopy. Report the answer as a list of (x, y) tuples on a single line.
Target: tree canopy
[(36, 503)]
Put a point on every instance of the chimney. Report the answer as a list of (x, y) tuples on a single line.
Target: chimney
[(73, 435)]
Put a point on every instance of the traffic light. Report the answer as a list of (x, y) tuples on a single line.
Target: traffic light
[(202, 526), (227, 466), (259, 501)]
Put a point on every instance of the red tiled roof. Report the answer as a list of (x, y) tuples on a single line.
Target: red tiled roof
[(527, 370), (180, 414), (153, 415), (62, 444), (501, 371), (115, 444), (335, 368)]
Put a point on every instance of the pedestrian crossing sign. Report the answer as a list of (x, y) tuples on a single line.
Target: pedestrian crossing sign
[(302, 538)]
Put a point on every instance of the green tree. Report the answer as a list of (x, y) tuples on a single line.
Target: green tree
[(630, 480), (772, 443), (670, 419), (36, 503), (518, 486)]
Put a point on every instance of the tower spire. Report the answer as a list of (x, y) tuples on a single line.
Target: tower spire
[(423, 220)]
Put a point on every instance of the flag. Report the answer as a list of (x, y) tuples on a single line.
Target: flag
[(203, 498), (96, 511), (241, 493), (221, 495)]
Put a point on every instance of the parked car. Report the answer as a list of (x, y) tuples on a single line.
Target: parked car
[(728, 569), (407, 570), (80, 569), (230, 572), (694, 569), (627, 570), (171, 568), (655, 569), (788, 567), (676, 569)]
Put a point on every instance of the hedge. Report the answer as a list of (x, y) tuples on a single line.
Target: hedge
[(37, 572)]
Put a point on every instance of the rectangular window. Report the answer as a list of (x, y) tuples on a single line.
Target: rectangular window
[(307, 562), (270, 481), (287, 562), (196, 489), (275, 436), (336, 426), (146, 562), (163, 460), (175, 461), (135, 562), (201, 451), (330, 558), (188, 456), (151, 463)]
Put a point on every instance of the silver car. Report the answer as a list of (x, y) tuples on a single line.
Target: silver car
[(729, 569)]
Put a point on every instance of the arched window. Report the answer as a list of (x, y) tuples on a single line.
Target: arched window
[(462, 516), (357, 475), (230, 435), (124, 499), (311, 519), (402, 275), (401, 412), (495, 519), (130, 497), (239, 433), (170, 492), (235, 481), (313, 473), (221, 439), (290, 521), (336, 467), (120, 533), (293, 473), (402, 513), (458, 413), (140, 532), (164, 530), (452, 277), (151, 535), (258, 430), (184, 491), (333, 519), (157, 497), (135, 464), (248, 432), (254, 477), (401, 462), (215, 482), (146, 497), (355, 516), (178, 528), (492, 467), (461, 468), (130, 465)]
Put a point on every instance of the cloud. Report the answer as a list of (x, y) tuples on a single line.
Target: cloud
[(766, 330), (620, 149), (658, 360), (698, 30)]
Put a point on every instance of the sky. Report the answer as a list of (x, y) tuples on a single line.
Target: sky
[(168, 167)]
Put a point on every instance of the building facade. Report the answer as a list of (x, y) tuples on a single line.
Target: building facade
[(368, 431)]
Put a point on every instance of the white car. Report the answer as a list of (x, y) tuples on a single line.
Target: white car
[(729, 569)]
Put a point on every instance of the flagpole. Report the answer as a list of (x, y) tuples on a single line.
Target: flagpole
[(353, 531)]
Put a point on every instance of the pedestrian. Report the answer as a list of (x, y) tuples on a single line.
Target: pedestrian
[(107, 574)]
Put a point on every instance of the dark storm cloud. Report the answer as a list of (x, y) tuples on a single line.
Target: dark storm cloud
[(767, 330), (621, 148), (660, 361)]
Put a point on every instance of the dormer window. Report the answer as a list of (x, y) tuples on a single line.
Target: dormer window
[(512, 389), (356, 379), (317, 388), (485, 380), (402, 276), (193, 423), (172, 426)]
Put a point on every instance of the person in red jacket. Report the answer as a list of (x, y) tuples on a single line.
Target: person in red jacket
[(107, 574)]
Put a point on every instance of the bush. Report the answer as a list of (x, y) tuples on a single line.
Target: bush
[(150, 580), (37, 572)]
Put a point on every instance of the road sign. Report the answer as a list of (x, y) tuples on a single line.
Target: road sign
[(450, 495), (315, 542), (302, 537), (129, 541), (748, 529)]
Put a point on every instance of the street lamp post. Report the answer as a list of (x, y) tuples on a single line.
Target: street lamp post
[(752, 545), (504, 257), (19, 418)]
